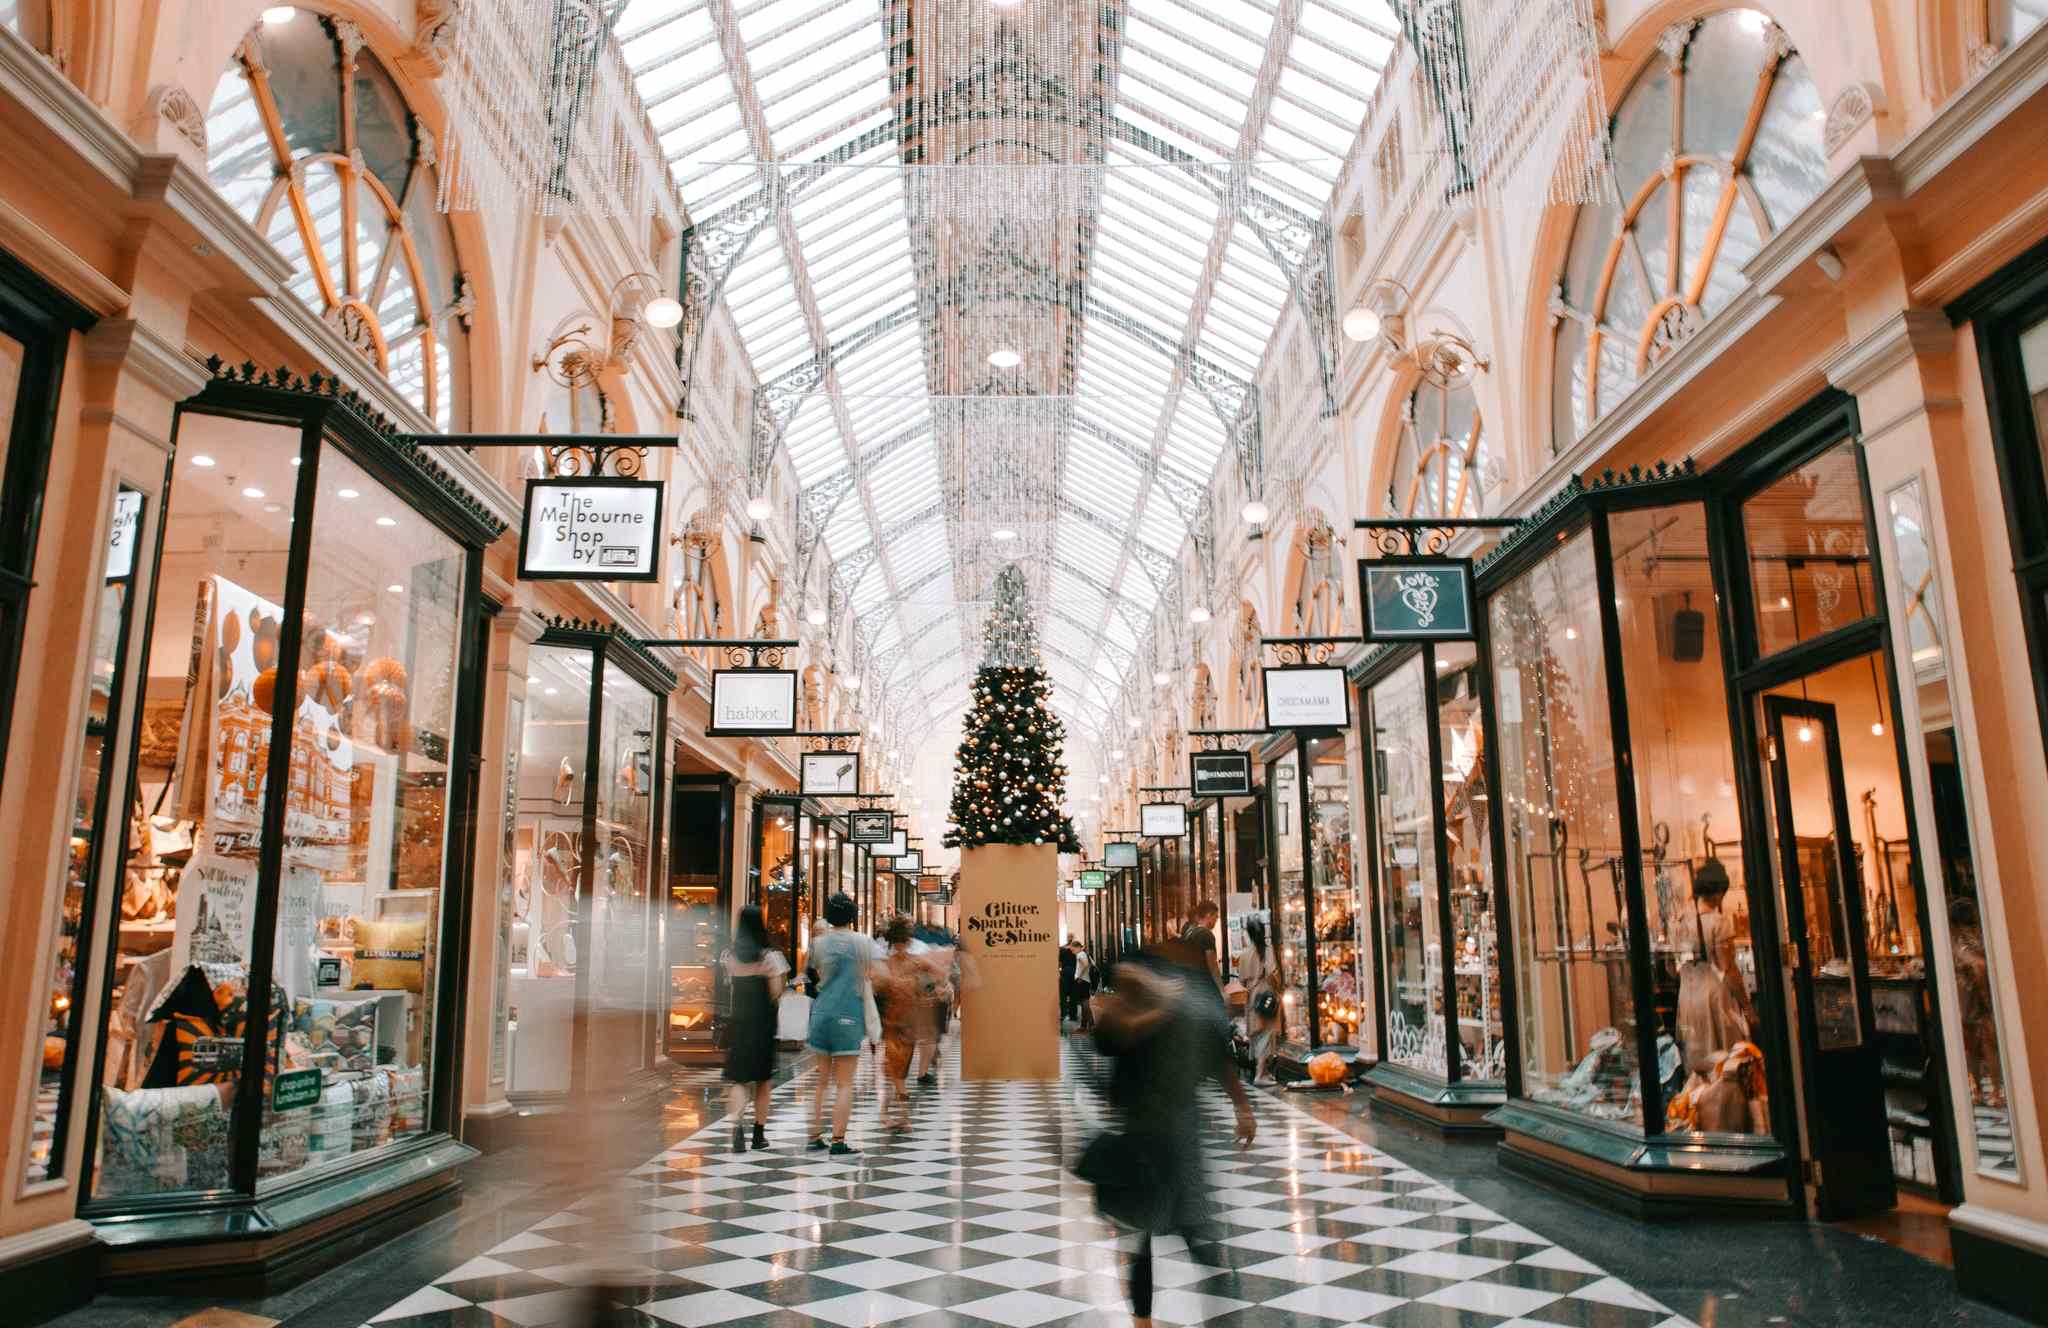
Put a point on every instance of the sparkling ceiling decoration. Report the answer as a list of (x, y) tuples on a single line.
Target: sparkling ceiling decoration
[(1505, 72), (1007, 274), (548, 145)]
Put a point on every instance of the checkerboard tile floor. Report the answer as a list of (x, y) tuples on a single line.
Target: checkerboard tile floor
[(973, 1218)]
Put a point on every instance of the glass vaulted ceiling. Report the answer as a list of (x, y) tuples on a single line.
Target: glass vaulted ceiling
[(1181, 111)]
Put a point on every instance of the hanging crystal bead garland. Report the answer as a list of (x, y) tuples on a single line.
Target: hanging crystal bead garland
[(542, 113)]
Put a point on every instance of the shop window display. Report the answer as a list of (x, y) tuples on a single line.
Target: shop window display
[(582, 934), (95, 818), (188, 905), (1475, 941), (1339, 999), (777, 890), (1565, 880), (1696, 906), (1406, 845), (326, 891), (1283, 777)]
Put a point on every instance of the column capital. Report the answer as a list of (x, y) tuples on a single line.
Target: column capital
[(1906, 335)]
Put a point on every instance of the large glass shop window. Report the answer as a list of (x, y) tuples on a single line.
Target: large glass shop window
[(545, 957), (620, 880), (95, 816), (1336, 892), (1474, 989), (1565, 882), (1695, 899), (775, 881), (358, 901), (1406, 846), (1975, 994), (1283, 777)]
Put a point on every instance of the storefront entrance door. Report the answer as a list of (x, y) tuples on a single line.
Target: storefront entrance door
[(1817, 857)]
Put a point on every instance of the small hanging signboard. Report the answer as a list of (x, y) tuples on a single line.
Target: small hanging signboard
[(752, 703), (1307, 696), (829, 775), (1093, 880), (870, 827), (931, 886), (1162, 820), (1220, 774), (1121, 853), (1415, 599), (895, 846), (591, 528), (908, 864)]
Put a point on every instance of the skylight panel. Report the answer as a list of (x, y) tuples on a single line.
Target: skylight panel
[(1159, 526)]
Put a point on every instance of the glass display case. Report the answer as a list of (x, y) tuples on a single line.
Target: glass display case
[(279, 918)]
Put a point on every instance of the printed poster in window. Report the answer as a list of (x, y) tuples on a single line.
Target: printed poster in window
[(216, 911)]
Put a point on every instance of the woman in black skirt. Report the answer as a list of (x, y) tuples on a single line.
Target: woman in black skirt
[(754, 973)]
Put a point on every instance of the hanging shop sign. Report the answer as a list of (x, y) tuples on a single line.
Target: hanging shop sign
[(1162, 820), (1220, 774), (1122, 853), (909, 864), (752, 703), (591, 528), (1093, 880), (931, 886), (121, 539), (829, 775), (895, 846), (870, 827), (1308, 696), (1409, 599)]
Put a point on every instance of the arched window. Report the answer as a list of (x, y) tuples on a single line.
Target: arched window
[(1441, 464), (310, 140), (1716, 145), (1318, 597)]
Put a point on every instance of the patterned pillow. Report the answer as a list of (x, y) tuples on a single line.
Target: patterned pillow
[(161, 1139)]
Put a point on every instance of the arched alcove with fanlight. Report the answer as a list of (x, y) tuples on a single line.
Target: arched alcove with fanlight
[(1718, 142), (310, 140)]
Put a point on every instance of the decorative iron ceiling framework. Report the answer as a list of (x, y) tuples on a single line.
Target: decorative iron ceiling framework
[(1126, 194)]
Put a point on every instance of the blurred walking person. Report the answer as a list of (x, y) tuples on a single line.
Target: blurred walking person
[(839, 1020), (754, 973), (1084, 987), (1168, 1039), (913, 986)]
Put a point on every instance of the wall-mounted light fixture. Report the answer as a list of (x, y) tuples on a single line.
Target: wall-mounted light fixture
[(1381, 315)]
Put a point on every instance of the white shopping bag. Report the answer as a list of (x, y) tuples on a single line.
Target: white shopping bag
[(793, 1017)]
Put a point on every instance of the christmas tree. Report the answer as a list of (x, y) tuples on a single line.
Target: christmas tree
[(1011, 770)]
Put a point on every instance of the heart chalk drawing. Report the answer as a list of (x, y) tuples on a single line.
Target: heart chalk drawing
[(1419, 593)]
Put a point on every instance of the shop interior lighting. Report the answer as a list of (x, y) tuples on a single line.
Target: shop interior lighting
[(276, 14), (348, 493), (387, 521), (395, 589), (253, 492), (203, 461)]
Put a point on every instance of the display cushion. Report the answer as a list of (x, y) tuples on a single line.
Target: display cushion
[(341, 1035), (391, 955), (205, 1027), (159, 1139)]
